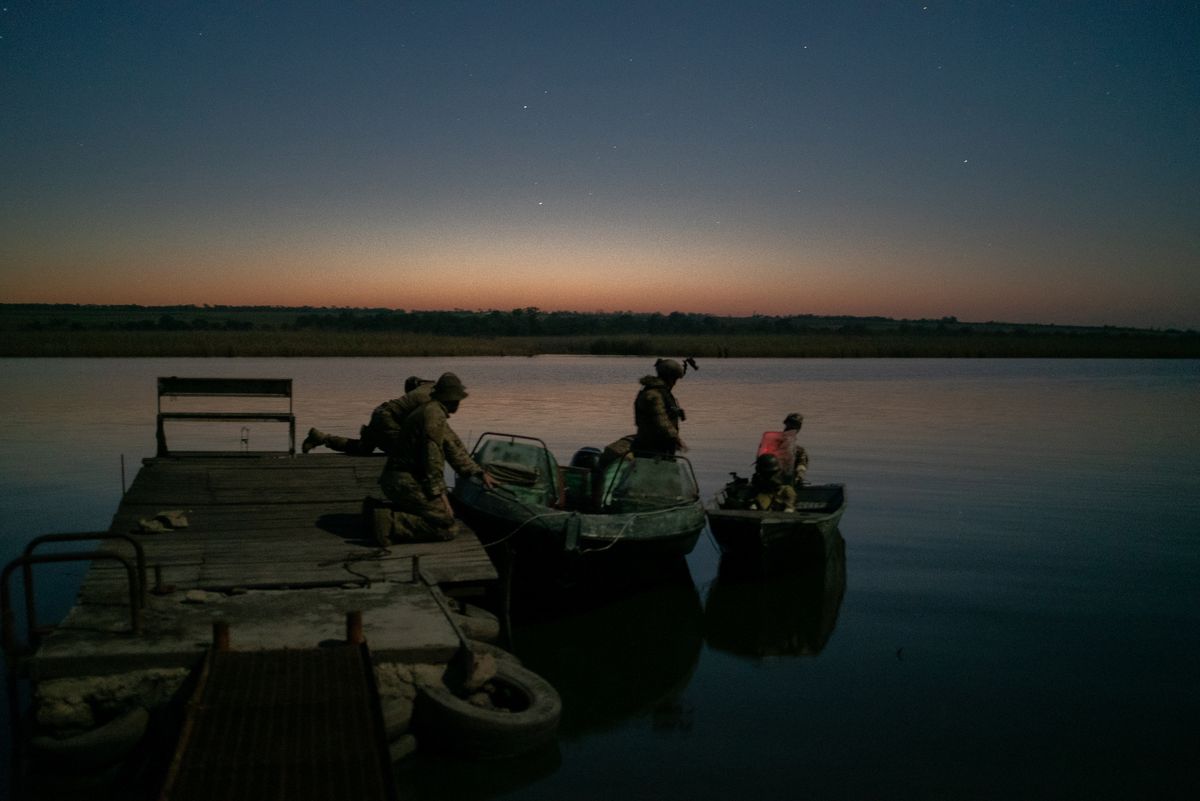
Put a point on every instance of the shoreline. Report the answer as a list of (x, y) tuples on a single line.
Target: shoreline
[(390, 344)]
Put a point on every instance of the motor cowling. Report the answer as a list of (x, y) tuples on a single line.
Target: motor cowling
[(586, 457)]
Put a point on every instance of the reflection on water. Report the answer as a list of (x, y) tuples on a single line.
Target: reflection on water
[(437, 777), (614, 653), (785, 613), (1047, 621)]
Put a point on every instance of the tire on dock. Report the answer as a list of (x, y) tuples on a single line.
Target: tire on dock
[(97, 749), (528, 720)]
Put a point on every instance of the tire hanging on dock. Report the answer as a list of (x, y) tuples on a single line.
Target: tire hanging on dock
[(453, 724)]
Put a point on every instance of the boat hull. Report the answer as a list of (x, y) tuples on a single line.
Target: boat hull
[(633, 512), (499, 518), (805, 532)]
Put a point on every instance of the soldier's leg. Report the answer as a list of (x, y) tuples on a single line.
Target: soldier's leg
[(429, 525), (364, 445), (415, 518), (317, 438), (354, 447)]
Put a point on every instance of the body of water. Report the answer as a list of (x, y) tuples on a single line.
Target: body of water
[(1015, 614)]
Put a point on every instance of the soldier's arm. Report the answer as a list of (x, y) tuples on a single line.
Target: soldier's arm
[(457, 455), (658, 408), (435, 434)]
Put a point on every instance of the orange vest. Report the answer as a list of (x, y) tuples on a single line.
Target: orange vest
[(782, 444)]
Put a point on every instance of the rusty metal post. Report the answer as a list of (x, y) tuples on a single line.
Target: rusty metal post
[(354, 628), (220, 630), (416, 569)]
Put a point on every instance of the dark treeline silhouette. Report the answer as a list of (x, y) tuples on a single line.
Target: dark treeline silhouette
[(522, 322), (45, 330)]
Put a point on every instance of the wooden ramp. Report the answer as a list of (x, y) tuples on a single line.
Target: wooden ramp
[(289, 725)]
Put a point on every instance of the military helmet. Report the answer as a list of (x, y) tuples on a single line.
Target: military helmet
[(668, 368), (793, 420), (767, 463), (449, 388)]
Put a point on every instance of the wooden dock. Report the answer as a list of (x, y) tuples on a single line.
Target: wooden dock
[(273, 545)]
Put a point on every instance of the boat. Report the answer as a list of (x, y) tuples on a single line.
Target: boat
[(647, 510), (752, 533)]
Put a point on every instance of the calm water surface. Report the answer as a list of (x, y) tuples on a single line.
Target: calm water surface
[(1016, 614)]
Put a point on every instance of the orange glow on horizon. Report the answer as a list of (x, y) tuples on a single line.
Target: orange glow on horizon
[(600, 272)]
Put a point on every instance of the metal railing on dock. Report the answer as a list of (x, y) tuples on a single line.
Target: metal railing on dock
[(135, 573)]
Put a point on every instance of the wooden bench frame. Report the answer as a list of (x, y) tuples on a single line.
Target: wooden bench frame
[(176, 387)]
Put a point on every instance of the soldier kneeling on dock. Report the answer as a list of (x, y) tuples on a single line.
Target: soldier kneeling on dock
[(413, 477)]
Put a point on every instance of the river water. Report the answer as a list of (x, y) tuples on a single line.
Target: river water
[(1016, 614)]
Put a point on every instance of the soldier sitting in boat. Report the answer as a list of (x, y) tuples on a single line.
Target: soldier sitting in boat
[(793, 459), (770, 491)]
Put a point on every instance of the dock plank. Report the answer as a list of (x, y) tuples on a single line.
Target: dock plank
[(257, 522)]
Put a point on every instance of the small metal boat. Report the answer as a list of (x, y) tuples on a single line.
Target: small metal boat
[(647, 509), (755, 533)]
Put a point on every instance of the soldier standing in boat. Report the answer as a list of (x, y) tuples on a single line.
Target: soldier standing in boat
[(799, 467), (657, 416), (656, 412), (413, 478)]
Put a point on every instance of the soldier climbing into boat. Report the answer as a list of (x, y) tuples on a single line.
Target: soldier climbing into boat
[(380, 431), (413, 478)]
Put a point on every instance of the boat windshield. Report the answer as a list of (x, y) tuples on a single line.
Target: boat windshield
[(650, 482), (523, 465)]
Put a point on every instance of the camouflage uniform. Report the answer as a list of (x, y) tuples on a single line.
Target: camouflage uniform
[(382, 431), (798, 470), (771, 490), (657, 416), (414, 479)]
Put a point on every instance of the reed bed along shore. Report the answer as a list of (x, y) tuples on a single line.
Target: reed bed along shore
[(307, 343)]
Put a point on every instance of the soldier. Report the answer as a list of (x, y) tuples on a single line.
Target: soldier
[(656, 412), (791, 425), (771, 490), (413, 477), (381, 429)]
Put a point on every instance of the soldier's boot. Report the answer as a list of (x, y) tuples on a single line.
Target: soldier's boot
[(313, 439), (369, 505), (382, 526)]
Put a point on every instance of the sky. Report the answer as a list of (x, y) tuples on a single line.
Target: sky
[(1018, 162)]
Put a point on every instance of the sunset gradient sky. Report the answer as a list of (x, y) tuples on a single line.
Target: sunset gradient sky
[(1024, 162)]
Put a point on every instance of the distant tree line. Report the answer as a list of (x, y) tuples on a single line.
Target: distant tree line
[(522, 322)]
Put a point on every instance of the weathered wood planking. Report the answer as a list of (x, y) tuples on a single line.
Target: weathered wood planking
[(274, 521), (287, 530)]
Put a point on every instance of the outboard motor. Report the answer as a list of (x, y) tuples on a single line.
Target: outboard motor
[(586, 457)]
